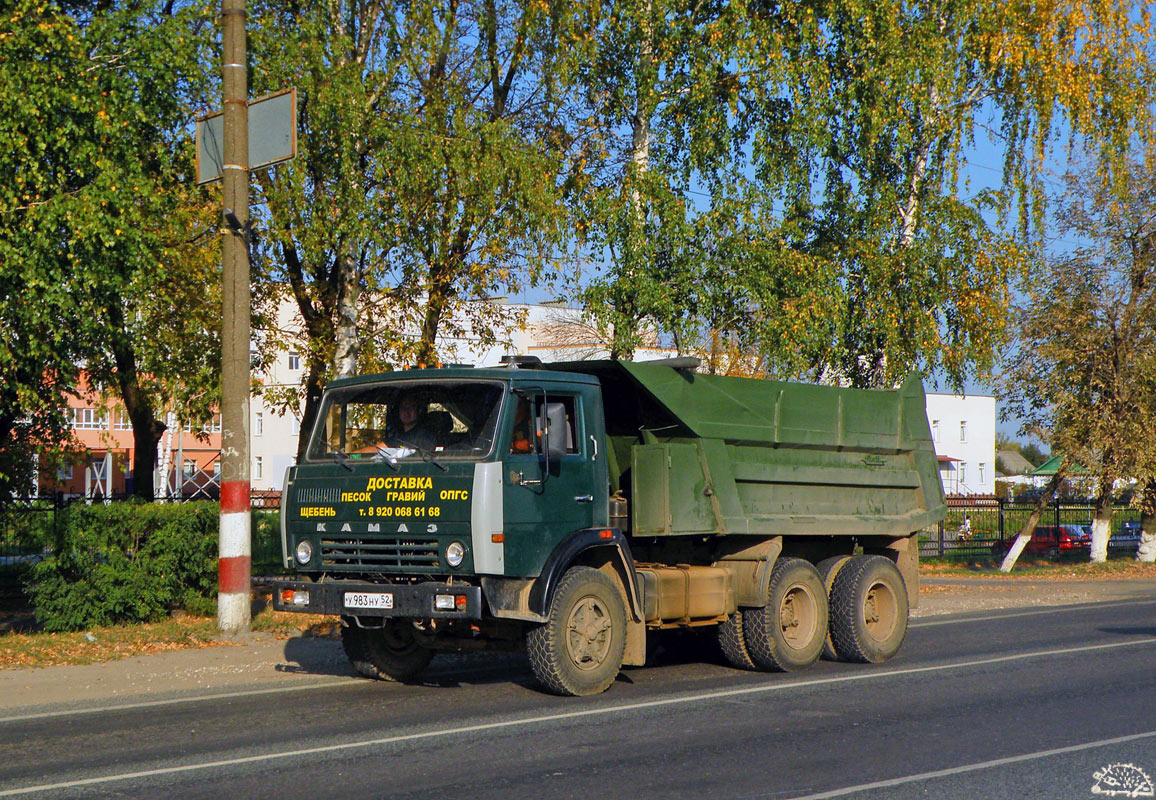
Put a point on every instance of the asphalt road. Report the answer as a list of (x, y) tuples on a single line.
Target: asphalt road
[(1033, 703)]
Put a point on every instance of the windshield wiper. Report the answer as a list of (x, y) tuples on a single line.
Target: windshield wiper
[(341, 459), (428, 457), (383, 455)]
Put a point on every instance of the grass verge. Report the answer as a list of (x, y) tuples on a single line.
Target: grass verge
[(23, 649)]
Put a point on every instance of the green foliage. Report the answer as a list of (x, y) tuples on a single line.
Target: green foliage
[(1085, 376), (843, 129), (98, 230), (132, 562), (427, 174), (125, 562), (266, 544), (1034, 453)]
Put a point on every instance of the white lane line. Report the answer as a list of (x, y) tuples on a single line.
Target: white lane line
[(999, 762), (570, 715), (919, 623), (925, 622), (179, 700)]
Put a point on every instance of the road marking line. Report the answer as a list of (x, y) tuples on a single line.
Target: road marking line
[(179, 700), (999, 762), (569, 715), (925, 622), (922, 623)]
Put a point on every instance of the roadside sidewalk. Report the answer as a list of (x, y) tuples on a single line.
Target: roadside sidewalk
[(252, 662), (262, 662)]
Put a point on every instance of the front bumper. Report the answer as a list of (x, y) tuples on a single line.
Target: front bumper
[(414, 601)]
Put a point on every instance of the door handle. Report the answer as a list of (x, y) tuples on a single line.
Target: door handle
[(584, 498)]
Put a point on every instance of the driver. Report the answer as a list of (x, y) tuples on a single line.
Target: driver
[(409, 429)]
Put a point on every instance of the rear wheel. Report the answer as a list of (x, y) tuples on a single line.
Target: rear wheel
[(868, 610), (788, 633), (733, 643), (389, 653), (578, 651), (828, 570)]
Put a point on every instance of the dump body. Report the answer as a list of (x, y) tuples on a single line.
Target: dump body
[(723, 455), (465, 508)]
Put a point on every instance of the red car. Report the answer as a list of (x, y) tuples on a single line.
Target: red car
[(1050, 540)]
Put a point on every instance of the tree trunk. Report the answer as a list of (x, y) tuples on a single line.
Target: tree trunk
[(346, 340), (314, 385), (146, 428), (1147, 550), (1102, 523), (1025, 535)]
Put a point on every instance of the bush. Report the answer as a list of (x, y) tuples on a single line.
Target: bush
[(125, 562), (137, 562)]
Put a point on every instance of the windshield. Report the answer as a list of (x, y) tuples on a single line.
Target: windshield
[(408, 420)]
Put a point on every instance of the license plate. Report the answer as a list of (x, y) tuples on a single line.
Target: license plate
[(366, 600)]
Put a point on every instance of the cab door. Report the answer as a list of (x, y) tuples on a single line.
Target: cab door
[(548, 497)]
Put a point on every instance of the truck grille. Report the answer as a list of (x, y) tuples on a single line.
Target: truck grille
[(386, 551)]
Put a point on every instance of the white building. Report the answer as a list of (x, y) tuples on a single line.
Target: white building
[(963, 429)]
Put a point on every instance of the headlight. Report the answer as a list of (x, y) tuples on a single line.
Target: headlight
[(455, 553), (304, 551)]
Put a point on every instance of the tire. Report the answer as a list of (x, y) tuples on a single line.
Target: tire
[(828, 569), (578, 651), (788, 634), (868, 610), (733, 643), (390, 653)]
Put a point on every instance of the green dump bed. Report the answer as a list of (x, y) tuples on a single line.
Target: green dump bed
[(704, 454)]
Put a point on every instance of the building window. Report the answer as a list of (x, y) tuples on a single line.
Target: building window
[(64, 472), (123, 423), (217, 470), (962, 472), (963, 430), (190, 467), (258, 467), (935, 430), (294, 362), (93, 419), (981, 465), (296, 426), (259, 424), (213, 425)]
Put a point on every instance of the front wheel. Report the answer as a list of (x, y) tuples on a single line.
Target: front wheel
[(388, 653), (578, 650), (868, 610)]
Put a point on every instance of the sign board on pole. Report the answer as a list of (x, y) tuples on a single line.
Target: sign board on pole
[(272, 135)]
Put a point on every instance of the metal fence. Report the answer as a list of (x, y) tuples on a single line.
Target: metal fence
[(974, 527)]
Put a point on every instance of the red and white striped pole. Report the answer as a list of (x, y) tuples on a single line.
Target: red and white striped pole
[(233, 609)]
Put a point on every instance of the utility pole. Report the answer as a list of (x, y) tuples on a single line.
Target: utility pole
[(234, 566)]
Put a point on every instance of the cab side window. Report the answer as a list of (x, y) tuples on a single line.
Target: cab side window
[(529, 421)]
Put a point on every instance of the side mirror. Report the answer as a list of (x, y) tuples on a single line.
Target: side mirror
[(552, 429)]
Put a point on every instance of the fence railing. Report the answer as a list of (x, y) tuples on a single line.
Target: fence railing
[(975, 527)]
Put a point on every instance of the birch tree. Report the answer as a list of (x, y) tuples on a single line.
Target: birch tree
[(885, 99)]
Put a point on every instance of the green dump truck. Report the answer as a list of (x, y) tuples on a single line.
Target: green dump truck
[(570, 508)]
